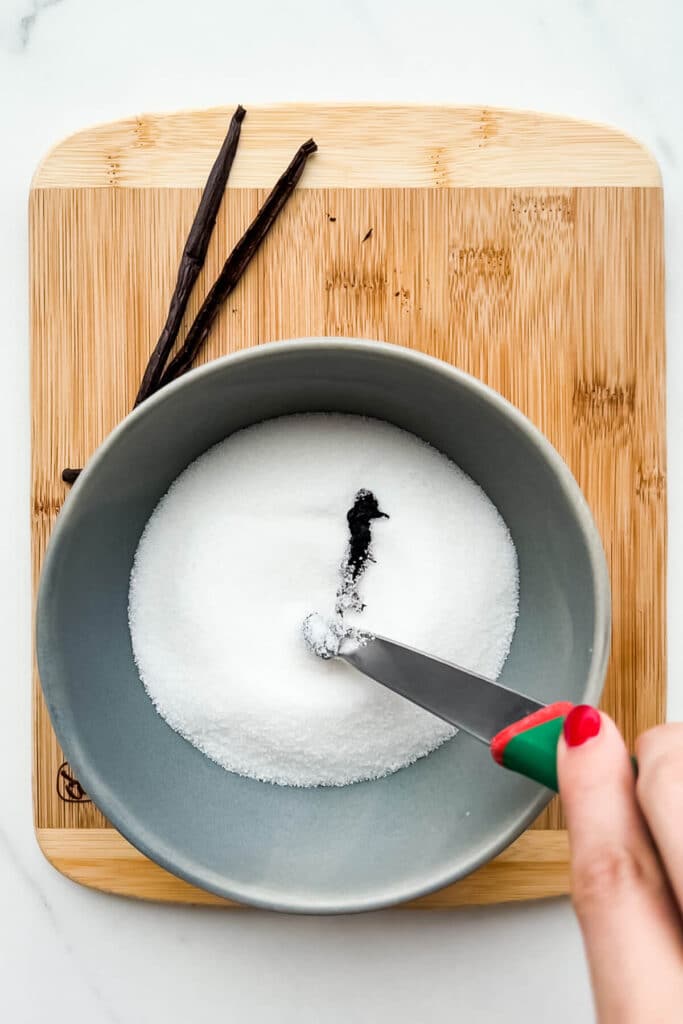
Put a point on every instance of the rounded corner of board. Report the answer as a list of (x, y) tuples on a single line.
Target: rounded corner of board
[(650, 161), (641, 154), (90, 152), (47, 844), (42, 175), (55, 845), (590, 153)]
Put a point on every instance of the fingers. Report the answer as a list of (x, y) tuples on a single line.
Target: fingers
[(627, 916), (660, 795)]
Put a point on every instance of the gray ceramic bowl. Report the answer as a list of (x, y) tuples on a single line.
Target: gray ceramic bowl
[(311, 850)]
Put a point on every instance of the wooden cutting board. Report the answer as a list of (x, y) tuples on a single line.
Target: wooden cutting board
[(522, 248)]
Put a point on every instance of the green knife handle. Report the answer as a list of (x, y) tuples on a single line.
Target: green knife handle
[(530, 745)]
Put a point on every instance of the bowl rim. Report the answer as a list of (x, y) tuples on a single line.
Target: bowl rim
[(259, 896)]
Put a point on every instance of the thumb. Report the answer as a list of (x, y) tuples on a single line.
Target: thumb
[(619, 891)]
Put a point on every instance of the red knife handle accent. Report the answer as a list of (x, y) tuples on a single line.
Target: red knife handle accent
[(529, 746)]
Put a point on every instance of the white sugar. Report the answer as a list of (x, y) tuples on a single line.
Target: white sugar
[(249, 540), (323, 637)]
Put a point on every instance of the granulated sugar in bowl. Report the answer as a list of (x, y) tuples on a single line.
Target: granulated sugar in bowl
[(259, 535), (227, 495)]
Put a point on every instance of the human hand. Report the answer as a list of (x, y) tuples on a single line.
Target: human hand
[(626, 841)]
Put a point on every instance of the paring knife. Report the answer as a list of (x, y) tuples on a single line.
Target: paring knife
[(521, 732)]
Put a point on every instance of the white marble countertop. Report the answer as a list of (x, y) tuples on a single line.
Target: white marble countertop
[(68, 953)]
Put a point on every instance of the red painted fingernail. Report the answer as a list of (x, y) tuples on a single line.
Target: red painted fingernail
[(581, 724)]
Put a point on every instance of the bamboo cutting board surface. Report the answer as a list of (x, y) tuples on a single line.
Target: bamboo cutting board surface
[(524, 249)]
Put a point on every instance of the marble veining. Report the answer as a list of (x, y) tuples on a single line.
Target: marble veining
[(27, 21), (18, 20)]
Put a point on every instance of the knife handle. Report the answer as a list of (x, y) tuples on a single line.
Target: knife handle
[(529, 746)]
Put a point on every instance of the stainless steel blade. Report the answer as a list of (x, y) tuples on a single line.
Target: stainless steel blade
[(473, 703)]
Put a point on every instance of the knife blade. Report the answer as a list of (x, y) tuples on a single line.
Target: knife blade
[(473, 703), (521, 732)]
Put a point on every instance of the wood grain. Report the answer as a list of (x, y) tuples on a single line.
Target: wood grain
[(547, 283), (360, 147)]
